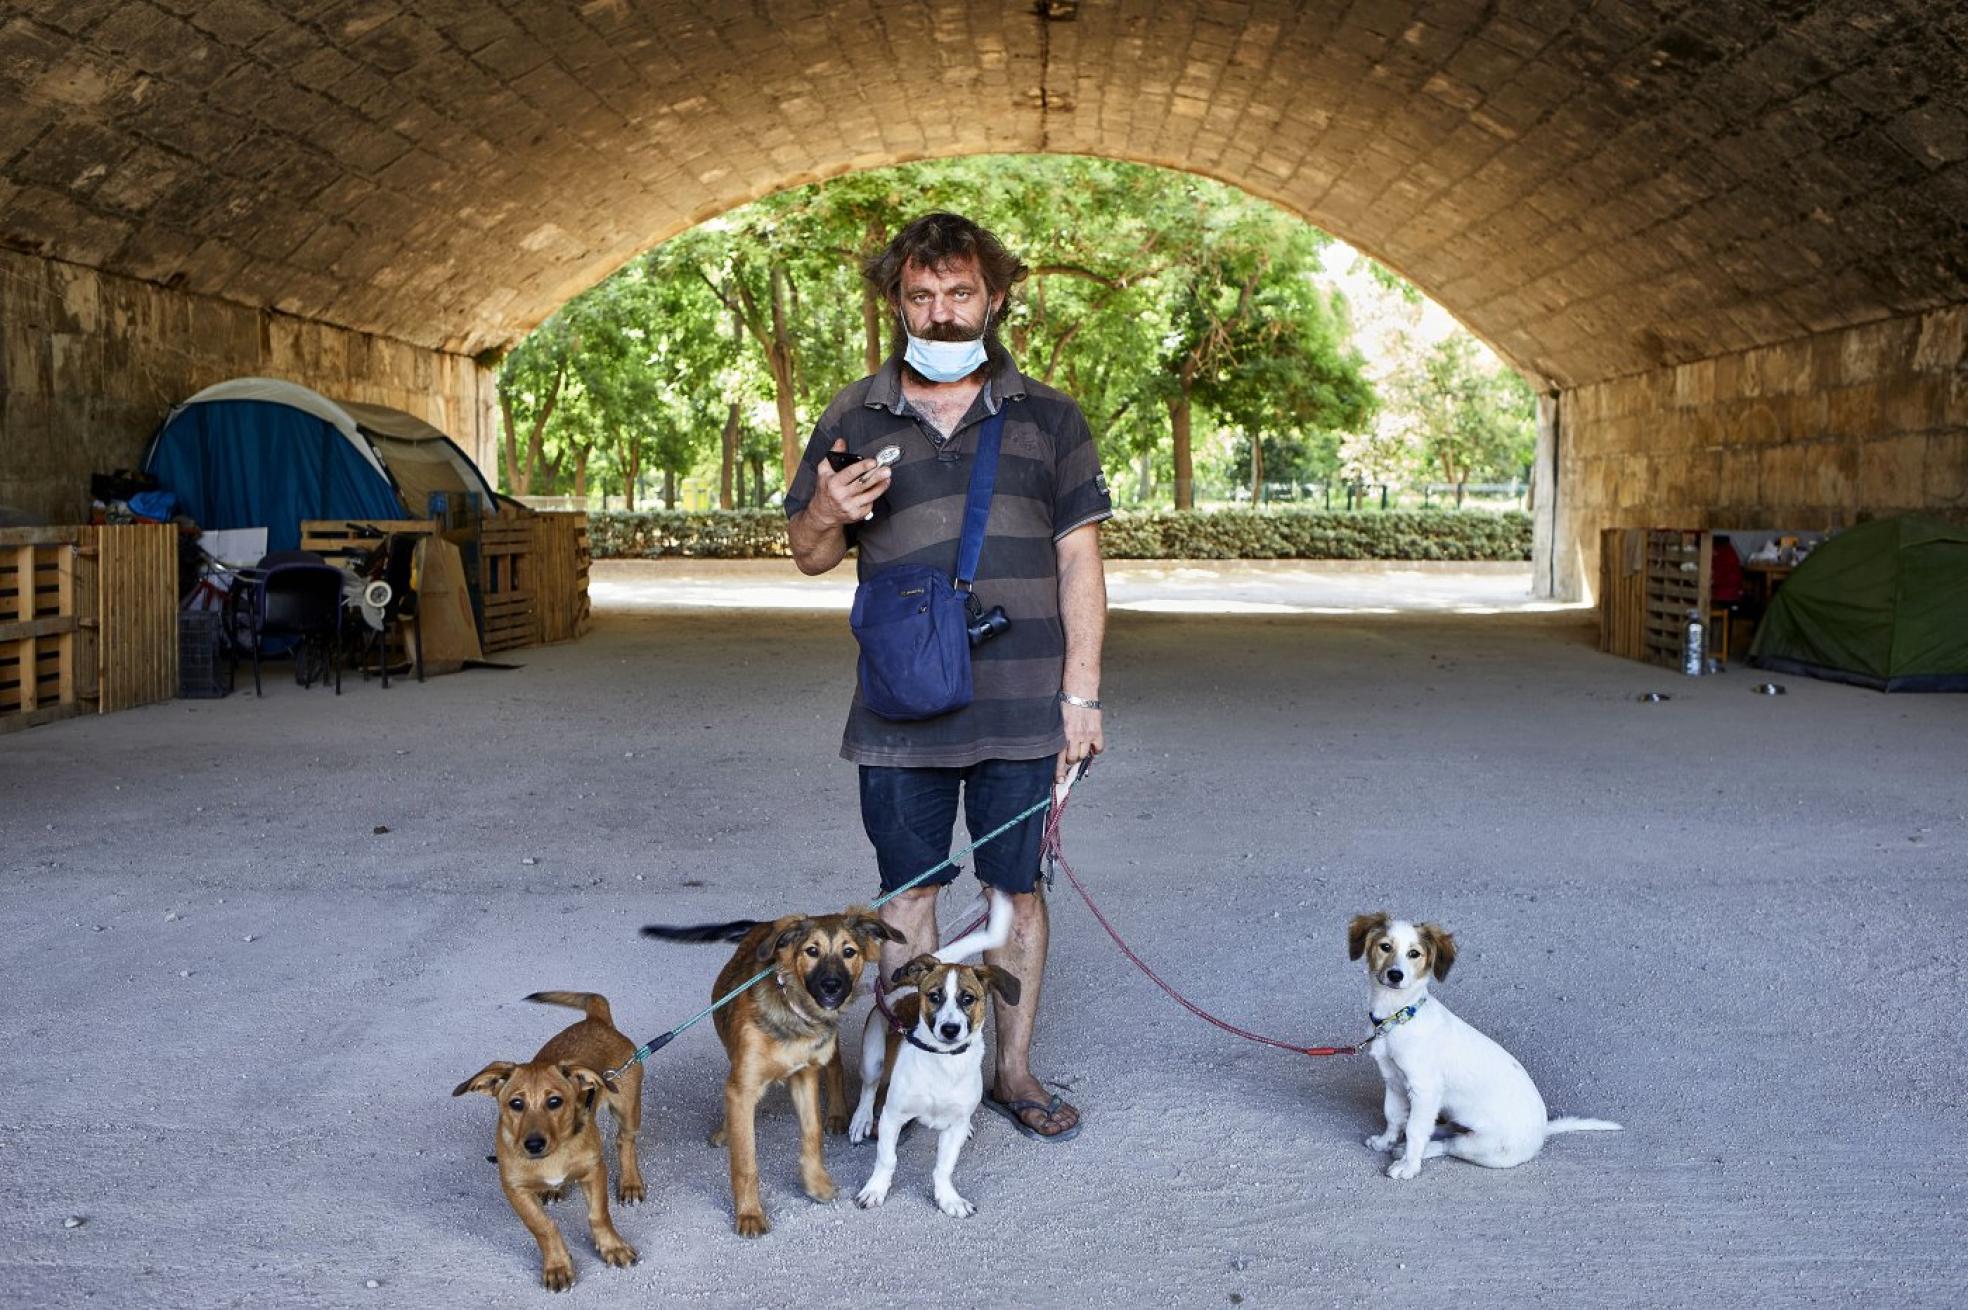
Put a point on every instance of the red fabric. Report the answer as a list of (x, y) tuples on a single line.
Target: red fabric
[(1725, 573)]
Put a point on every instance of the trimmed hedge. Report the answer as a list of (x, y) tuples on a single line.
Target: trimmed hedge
[(693, 534), (1319, 534), (1440, 534)]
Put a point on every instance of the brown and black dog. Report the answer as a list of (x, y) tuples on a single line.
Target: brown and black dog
[(548, 1135), (784, 1030)]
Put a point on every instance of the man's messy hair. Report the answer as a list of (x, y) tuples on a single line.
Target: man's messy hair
[(933, 241)]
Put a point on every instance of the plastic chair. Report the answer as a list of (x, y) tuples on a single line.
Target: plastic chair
[(292, 595)]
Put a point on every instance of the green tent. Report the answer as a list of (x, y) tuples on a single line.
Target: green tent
[(1882, 605)]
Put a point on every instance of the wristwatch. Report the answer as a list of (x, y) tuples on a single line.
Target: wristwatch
[(1069, 698)]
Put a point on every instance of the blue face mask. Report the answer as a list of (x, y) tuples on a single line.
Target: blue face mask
[(945, 361)]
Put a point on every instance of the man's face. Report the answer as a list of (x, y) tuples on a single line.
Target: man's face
[(946, 303)]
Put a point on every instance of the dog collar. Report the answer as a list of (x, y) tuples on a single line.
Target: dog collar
[(1394, 1020), (922, 1045)]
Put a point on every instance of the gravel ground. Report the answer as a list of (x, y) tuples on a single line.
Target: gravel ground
[(1729, 921)]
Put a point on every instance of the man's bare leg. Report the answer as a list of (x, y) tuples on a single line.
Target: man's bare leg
[(1024, 956), (913, 914)]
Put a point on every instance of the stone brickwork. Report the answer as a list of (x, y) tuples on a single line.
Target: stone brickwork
[(91, 363), (1809, 434), (1605, 190), (1597, 188)]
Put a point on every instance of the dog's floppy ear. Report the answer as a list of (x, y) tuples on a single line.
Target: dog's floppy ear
[(588, 1081), (487, 1080), (1441, 948), (785, 937), (912, 973), (869, 928), (1006, 985), (1357, 931)]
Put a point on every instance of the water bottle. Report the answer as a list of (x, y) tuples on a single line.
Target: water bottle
[(1691, 646)]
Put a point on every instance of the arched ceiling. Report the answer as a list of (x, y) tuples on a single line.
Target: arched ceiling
[(1596, 188)]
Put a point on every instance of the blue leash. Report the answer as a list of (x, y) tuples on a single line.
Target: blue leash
[(648, 1049)]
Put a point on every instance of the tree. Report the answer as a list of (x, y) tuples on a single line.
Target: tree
[(1169, 306), (531, 379), (1254, 337), (1473, 423)]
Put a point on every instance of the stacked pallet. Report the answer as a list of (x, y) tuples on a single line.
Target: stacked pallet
[(532, 571), (1650, 581), (506, 582), (47, 625), (88, 620), (1677, 587)]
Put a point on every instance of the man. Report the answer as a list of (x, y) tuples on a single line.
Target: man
[(1036, 705)]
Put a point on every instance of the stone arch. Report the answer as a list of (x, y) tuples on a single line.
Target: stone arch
[(1657, 211)]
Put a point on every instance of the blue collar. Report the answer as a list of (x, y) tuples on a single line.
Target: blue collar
[(1394, 1020)]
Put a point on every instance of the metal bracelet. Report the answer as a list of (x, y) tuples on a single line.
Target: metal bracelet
[(1067, 697)]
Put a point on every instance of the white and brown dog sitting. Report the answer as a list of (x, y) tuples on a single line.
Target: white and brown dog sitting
[(1437, 1066)]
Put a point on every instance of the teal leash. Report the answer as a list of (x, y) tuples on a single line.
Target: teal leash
[(650, 1048)]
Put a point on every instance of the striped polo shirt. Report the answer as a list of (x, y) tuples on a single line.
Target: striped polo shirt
[(1049, 483)]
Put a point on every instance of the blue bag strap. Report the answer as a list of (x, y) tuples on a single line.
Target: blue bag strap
[(977, 509)]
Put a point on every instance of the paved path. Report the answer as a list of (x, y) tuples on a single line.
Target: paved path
[(1149, 586), (1732, 922)]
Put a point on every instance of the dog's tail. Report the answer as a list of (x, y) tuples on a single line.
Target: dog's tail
[(733, 931), (594, 1003), (1571, 1125)]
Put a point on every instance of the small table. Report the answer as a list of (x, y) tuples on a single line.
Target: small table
[(1764, 579)]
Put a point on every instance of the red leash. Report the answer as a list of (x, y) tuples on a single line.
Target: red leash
[(1054, 855)]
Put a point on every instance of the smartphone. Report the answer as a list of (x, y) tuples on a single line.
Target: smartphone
[(842, 459)]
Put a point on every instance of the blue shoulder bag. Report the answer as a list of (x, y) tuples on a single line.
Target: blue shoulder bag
[(912, 619)]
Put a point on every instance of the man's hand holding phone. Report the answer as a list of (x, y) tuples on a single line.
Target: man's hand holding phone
[(847, 487)]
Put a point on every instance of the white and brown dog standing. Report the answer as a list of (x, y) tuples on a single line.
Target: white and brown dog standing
[(931, 1063), (1437, 1066), (924, 1058)]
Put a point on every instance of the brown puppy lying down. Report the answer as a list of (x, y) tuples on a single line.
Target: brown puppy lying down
[(784, 1030), (548, 1135)]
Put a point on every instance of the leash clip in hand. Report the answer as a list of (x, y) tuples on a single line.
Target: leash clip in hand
[(1078, 773)]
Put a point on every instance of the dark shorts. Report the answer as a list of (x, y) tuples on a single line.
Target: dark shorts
[(910, 815)]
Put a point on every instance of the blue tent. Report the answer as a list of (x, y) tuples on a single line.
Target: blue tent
[(255, 452)]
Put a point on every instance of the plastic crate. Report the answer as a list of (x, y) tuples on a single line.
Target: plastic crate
[(204, 673)]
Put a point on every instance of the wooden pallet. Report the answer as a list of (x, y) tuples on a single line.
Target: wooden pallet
[(561, 575), (506, 584), (337, 539), (137, 594), (1623, 592), (47, 625), (1677, 584), (88, 620)]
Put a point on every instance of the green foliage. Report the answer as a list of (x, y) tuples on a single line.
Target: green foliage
[(1228, 534), (1318, 534), (708, 534), (1472, 424), (1165, 304)]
